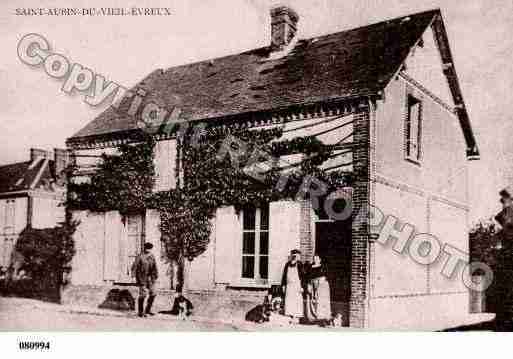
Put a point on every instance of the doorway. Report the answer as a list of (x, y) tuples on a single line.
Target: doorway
[(333, 245)]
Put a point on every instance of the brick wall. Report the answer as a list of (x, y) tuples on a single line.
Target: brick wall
[(359, 231), (306, 240)]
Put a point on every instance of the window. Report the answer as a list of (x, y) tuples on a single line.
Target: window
[(9, 216), (165, 165), (255, 243), (413, 129), (60, 213)]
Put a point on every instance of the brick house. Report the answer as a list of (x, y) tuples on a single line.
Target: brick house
[(31, 194), (388, 92)]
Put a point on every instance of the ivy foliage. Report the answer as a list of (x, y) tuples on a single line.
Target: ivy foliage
[(122, 182), (210, 178), (46, 252)]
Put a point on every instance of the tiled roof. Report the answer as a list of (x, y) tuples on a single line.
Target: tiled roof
[(21, 176), (346, 64)]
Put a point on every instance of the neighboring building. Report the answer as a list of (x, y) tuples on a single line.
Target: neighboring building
[(395, 87), (32, 193)]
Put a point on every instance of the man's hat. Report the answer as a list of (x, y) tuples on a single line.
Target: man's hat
[(148, 245), (505, 194), (295, 251)]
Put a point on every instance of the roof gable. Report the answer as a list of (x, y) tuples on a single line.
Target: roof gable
[(424, 64)]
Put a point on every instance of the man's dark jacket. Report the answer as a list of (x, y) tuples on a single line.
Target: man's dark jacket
[(145, 269)]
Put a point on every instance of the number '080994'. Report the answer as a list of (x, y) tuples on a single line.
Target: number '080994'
[(34, 345)]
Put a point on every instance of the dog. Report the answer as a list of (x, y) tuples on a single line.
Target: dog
[(182, 307), (268, 311), (336, 321), (260, 313)]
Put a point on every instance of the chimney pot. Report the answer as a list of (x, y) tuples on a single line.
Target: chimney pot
[(283, 26)]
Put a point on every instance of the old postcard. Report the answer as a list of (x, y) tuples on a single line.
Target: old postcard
[(319, 166)]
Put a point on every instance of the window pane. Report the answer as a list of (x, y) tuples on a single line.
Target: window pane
[(248, 267), (264, 267), (264, 242), (414, 132), (249, 218), (134, 224), (248, 243), (264, 217)]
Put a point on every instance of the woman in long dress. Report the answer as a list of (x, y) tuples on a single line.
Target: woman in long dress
[(292, 283), (319, 288)]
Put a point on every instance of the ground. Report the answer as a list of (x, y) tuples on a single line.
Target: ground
[(21, 314)]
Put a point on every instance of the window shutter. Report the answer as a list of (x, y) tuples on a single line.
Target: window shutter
[(10, 216), (284, 219), (3, 205), (111, 241), (20, 214), (165, 162), (89, 242), (227, 242)]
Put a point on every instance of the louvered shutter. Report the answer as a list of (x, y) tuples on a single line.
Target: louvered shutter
[(228, 235), (283, 237), (111, 241), (165, 163)]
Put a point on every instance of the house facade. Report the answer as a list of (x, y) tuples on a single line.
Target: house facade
[(387, 95), (32, 193)]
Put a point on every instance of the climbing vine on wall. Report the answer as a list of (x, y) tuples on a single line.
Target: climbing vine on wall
[(211, 177), (121, 182)]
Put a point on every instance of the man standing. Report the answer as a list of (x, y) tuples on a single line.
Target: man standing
[(145, 271)]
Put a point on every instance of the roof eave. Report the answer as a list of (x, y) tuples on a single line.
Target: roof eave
[(442, 42), (132, 134)]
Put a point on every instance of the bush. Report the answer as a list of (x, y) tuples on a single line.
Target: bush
[(46, 255), (485, 241)]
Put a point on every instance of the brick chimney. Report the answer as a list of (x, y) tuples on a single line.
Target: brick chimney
[(36, 153), (283, 27), (62, 159)]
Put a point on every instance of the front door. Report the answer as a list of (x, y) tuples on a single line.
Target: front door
[(333, 245), (131, 246)]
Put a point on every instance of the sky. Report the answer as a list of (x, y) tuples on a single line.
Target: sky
[(34, 112)]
